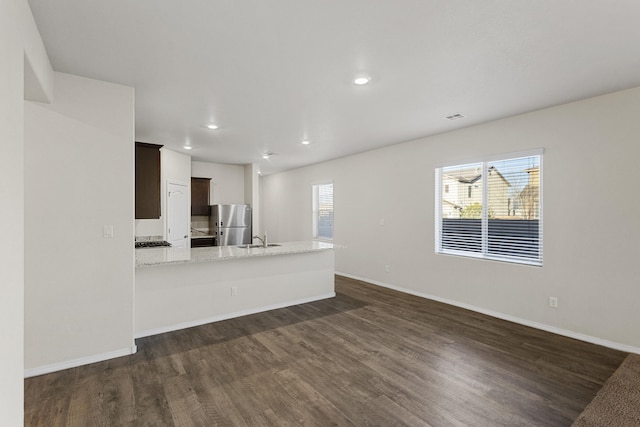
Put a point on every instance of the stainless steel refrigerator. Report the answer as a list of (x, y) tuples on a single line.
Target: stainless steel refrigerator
[(230, 224)]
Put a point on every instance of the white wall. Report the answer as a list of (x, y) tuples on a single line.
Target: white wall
[(591, 225), (79, 177), (19, 38), (227, 181), (252, 197)]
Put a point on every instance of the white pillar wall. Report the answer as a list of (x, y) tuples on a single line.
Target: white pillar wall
[(79, 182), (25, 72)]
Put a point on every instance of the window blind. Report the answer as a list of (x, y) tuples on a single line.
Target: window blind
[(491, 209)]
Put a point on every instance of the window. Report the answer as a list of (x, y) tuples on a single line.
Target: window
[(491, 209), (323, 211)]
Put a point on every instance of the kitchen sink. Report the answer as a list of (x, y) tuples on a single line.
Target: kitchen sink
[(270, 245)]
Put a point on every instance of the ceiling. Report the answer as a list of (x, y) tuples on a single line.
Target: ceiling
[(273, 73)]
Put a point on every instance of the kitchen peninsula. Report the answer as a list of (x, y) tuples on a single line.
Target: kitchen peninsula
[(178, 288)]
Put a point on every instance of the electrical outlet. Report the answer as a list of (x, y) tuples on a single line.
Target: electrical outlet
[(553, 302), (387, 268), (234, 291), (107, 231), (381, 222)]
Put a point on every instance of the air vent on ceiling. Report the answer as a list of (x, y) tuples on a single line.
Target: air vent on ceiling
[(454, 116)]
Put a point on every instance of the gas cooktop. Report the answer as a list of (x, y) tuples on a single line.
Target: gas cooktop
[(152, 244)]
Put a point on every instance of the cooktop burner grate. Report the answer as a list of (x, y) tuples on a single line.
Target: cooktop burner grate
[(152, 244)]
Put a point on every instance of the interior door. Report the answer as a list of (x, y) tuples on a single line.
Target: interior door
[(178, 215)]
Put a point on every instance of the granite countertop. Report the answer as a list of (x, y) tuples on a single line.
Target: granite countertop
[(146, 257)]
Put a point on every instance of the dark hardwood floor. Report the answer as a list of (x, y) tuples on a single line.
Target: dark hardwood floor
[(371, 356)]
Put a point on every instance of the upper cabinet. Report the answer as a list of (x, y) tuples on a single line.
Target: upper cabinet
[(200, 196), (147, 181)]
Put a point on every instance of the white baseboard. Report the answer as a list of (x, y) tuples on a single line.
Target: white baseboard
[(498, 315), (47, 369), (227, 316)]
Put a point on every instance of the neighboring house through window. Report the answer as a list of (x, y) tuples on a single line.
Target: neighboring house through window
[(323, 211), (499, 217)]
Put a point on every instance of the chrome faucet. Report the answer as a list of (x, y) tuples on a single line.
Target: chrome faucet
[(263, 240)]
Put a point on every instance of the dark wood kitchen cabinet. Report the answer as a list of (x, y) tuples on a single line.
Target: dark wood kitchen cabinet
[(200, 196), (202, 242), (147, 180)]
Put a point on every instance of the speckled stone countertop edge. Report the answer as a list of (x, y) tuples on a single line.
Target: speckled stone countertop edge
[(149, 257)]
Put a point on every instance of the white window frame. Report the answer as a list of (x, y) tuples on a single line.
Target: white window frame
[(483, 254), (315, 211)]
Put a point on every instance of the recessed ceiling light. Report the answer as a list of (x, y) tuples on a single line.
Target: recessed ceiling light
[(305, 142), (361, 80), (187, 147), (212, 126)]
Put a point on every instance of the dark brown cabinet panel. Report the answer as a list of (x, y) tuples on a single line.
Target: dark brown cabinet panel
[(147, 180), (200, 196), (202, 242)]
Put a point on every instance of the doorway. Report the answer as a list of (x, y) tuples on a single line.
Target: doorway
[(178, 214)]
